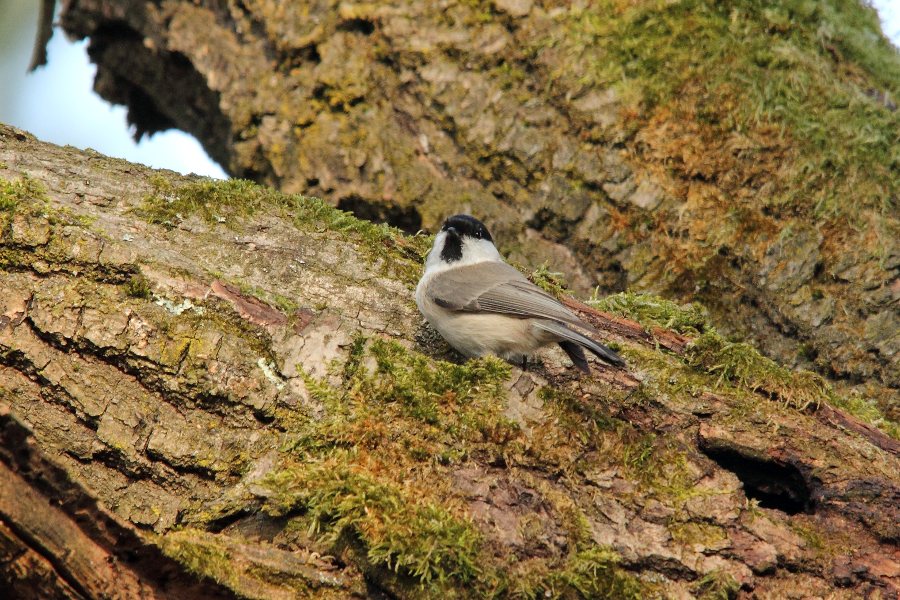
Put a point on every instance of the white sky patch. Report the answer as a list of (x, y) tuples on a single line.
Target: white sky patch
[(889, 14)]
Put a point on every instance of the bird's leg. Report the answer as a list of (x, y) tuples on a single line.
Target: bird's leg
[(524, 362)]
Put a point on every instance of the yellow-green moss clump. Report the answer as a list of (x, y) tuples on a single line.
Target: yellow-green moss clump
[(137, 286), (653, 310), (229, 202), (226, 560), (717, 585), (432, 551), (14, 192), (551, 282), (200, 555), (398, 531), (590, 573), (743, 365)]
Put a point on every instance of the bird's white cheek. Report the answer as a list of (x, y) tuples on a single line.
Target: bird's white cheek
[(475, 251)]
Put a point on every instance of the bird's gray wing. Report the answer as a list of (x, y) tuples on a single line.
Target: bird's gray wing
[(569, 337), (499, 288)]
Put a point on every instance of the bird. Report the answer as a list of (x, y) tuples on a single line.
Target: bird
[(482, 305)]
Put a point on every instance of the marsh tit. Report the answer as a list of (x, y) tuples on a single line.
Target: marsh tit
[(481, 305)]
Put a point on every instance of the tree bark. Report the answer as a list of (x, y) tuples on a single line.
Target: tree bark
[(211, 398), (413, 111)]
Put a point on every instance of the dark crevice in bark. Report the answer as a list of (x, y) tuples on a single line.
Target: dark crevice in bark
[(406, 218), (773, 484), (357, 25), (21, 259)]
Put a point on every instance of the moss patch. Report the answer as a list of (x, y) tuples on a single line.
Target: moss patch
[(231, 202), (370, 466), (791, 69), (653, 310), (14, 194), (717, 585), (866, 410), (250, 574), (137, 286), (387, 393), (550, 281), (399, 531), (590, 573), (373, 477), (199, 554), (19, 190), (742, 364)]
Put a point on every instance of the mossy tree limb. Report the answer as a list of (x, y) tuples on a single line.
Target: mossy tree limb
[(238, 379), (743, 154)]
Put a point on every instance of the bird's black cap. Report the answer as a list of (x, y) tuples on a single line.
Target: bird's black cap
[(460, 226), (467, 225)]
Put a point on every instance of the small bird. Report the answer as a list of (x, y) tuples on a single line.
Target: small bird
[(482, 305)]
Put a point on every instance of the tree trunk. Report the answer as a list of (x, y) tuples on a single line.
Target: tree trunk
[(219, 390), (216, 390)]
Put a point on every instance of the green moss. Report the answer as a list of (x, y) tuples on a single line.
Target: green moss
[(695, 532), (717, 585), (231, 201), (736, 363), (742, 364), (866, 410), (442, 554), (549, 281), (419, 385), (251, 574), (589, 573), (370, 476), (653, 310), (802, 68), (137, 286), (197, 551), (396, 407), (661, 467), (573, 413), (460, 401), (12, 193), (400, 532), (811, 536)]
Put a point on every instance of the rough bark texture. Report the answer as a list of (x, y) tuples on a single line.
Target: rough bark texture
[(631, 145), (243, 391)]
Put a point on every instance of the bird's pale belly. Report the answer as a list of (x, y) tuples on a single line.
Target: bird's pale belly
[(480, 334)]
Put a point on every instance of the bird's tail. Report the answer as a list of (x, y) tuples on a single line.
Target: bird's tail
[(571, 337)]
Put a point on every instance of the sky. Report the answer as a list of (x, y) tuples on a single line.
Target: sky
[(57, 104)]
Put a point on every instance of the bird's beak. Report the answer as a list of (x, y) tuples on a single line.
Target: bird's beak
[(452, 231)]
